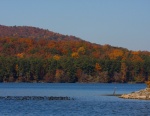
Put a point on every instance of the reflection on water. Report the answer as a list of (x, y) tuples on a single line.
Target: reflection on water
[(89, 99)]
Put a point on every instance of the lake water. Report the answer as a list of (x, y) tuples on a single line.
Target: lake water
[(90, 100)]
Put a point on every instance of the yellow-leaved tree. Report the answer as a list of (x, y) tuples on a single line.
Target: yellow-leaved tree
[(81, 50), (75, 55), (56, 57)]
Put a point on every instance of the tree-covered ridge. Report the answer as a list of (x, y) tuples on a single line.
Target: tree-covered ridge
[(31, 32), (69, 60)]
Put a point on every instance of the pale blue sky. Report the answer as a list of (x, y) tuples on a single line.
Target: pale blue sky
[(122, 23)]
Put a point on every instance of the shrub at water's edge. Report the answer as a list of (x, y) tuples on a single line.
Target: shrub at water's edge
[(148, 84)]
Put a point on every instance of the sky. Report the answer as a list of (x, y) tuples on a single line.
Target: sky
[(120, 23)]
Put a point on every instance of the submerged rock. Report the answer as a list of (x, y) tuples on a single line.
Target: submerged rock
[(142, 95), (34, 98)]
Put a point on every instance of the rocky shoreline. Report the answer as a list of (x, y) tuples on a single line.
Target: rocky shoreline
[(141, 95)]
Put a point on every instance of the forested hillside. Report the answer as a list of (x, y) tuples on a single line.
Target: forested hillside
[(29, 54), (31, 32)]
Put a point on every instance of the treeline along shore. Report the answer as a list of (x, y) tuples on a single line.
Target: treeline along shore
[(29, 54)]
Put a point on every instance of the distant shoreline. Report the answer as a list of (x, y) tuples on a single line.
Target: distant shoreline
[(80, 82)]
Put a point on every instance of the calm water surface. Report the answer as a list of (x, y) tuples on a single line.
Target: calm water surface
[(89, 100)]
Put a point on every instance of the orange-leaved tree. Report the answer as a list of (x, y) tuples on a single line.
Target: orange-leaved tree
[(98, 67)]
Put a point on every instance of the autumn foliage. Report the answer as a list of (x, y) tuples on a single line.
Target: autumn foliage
[(29, 54)]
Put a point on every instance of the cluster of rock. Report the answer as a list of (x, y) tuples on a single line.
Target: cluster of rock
[(142, 94), (34, 98)]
